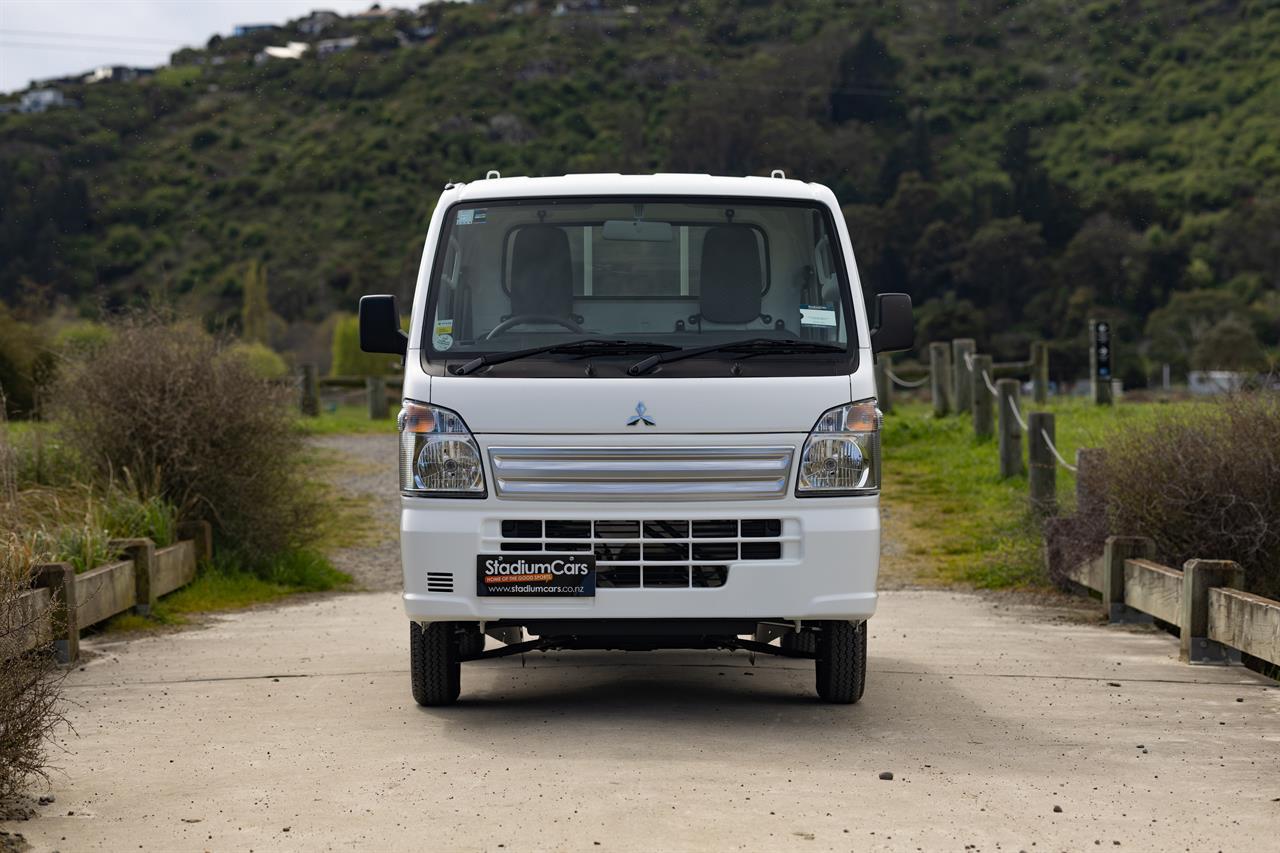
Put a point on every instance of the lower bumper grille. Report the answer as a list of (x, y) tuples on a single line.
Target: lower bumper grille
[(661, 553)]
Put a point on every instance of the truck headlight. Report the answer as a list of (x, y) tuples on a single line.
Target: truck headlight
[(438, 454), (842, 454)]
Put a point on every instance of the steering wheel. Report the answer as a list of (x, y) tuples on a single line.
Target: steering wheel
[(521, 319)]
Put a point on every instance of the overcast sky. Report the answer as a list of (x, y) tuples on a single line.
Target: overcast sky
[(53, 38)]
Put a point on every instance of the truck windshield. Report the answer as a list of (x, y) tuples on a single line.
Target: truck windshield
[(662, 273)]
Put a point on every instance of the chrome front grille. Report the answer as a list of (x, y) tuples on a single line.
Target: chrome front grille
[(638, 473), (653, 553)]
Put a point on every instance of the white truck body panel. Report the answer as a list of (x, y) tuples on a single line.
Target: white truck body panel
[(830, 545)]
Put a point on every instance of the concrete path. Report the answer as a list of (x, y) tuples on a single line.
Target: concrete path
[(1005, 728)]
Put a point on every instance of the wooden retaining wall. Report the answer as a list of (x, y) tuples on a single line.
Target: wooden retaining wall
[(63, 602), (1213, 617)]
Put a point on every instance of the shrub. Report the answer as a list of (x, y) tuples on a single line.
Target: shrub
[(80, 338), (259, 359), (162, 402), (348, 358), (30, 685), (1204, 483), (20, 355)]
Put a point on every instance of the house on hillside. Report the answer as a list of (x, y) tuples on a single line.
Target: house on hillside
[(414, 34), (41, 100), (317, 22), (328, 46), (293, 50), (249, 29), (118, 73), (377, 13)]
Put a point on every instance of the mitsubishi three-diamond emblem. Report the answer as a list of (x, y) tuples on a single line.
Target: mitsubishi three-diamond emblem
[(640, 417)]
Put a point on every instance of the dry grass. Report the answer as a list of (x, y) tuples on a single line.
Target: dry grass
[(30, 681), (1206, 484), (194, 426)]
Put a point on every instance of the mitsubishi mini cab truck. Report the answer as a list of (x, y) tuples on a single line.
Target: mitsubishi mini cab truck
[(639, 413)]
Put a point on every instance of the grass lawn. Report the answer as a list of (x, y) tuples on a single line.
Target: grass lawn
[(223, 585), (345, 420), (950, 518)]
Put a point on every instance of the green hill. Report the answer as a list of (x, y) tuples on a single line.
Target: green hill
[(1016, 166)]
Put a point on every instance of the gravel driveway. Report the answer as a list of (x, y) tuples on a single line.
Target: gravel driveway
[(365, 469)]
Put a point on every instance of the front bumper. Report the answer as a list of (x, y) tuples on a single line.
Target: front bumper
[(827, 571)]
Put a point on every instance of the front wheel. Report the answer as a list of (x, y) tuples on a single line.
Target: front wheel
[(435, 669), (841, 665)]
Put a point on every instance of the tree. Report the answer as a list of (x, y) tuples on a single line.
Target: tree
[(947, 318), (1229, 345), (1001, 265), (1111, 257), (866, 86), (255, 315), (1176, 330), (934, 258)]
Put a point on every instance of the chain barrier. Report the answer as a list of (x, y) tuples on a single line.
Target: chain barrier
[(1013, 405), (1017, 416), (1056, 455), (990, 386), (904, 383)]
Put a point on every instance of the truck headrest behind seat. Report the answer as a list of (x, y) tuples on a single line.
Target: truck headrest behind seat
[(731, 275), (541, 272)]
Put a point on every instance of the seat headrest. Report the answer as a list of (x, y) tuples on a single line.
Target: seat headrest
[(541, 272), (731, 276)]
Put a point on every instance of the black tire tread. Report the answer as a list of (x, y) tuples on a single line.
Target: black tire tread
[(470, 641), (841, 666), (434, 668), (805, 641)]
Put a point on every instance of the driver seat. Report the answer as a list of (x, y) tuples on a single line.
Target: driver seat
[(541, 272)]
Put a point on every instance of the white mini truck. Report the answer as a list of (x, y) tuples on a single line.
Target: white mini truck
[(639, 413)]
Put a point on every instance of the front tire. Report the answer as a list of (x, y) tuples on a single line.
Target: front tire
[(804, 641), (435, 670), (841, 666)]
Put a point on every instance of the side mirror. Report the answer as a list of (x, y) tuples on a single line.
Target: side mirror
[(380, 326), (895, 331)]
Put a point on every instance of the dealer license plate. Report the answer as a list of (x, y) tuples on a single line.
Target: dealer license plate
[(527, 575)]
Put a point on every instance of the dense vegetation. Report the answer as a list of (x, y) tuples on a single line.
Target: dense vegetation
[(1016, 165)]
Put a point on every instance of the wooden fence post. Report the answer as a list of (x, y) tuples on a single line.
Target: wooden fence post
[(376, 388), (200, 532), (1117, 550), (940, 377), (884, 385), (983, 402), (962, 382), (1010, 433), (1043, 467), (143, 553), (60, 580), (1040, 371), (309, 402), (1198, 576)]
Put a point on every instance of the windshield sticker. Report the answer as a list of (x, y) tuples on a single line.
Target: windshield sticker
[(443, 342), (473, 217), (444, 327), (817, 315)]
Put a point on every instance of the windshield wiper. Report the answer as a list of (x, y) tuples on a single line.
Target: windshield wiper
[(755, 346), (587, 346)]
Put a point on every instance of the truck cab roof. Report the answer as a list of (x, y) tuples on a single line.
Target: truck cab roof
[(660, 184)]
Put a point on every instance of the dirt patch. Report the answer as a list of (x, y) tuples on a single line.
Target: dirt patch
[(361, 469)]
